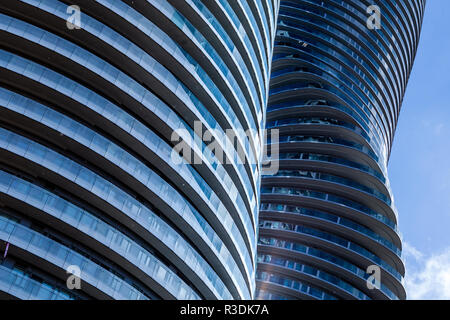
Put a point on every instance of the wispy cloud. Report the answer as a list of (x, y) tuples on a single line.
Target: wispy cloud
[(434, 127), (410, 251), (439, 128), (427, 275)]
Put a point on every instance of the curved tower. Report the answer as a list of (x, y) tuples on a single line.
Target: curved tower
[(94, 95), (327, 218)]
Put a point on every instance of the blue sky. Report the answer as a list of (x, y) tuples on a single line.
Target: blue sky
[(419, 167)]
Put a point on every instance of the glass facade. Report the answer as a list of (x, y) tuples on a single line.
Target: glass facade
[(90, 98), (95, 98), (336, 88)]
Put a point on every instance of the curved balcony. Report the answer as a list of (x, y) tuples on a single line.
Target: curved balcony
[(106, 101), (335, 96)]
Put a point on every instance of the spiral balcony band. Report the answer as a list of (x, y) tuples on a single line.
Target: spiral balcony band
[(335, 95), (88, 110)]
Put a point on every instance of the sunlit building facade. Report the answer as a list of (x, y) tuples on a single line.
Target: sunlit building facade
[(91, 96)]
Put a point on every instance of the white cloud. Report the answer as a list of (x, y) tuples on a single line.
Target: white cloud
[(427, 275)]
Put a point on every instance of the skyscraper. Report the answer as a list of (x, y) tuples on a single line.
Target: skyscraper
[(94, 95), (328, 224), (119, 178)]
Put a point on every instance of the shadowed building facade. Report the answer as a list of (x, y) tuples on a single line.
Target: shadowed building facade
[(335, 95), (90, 98)]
